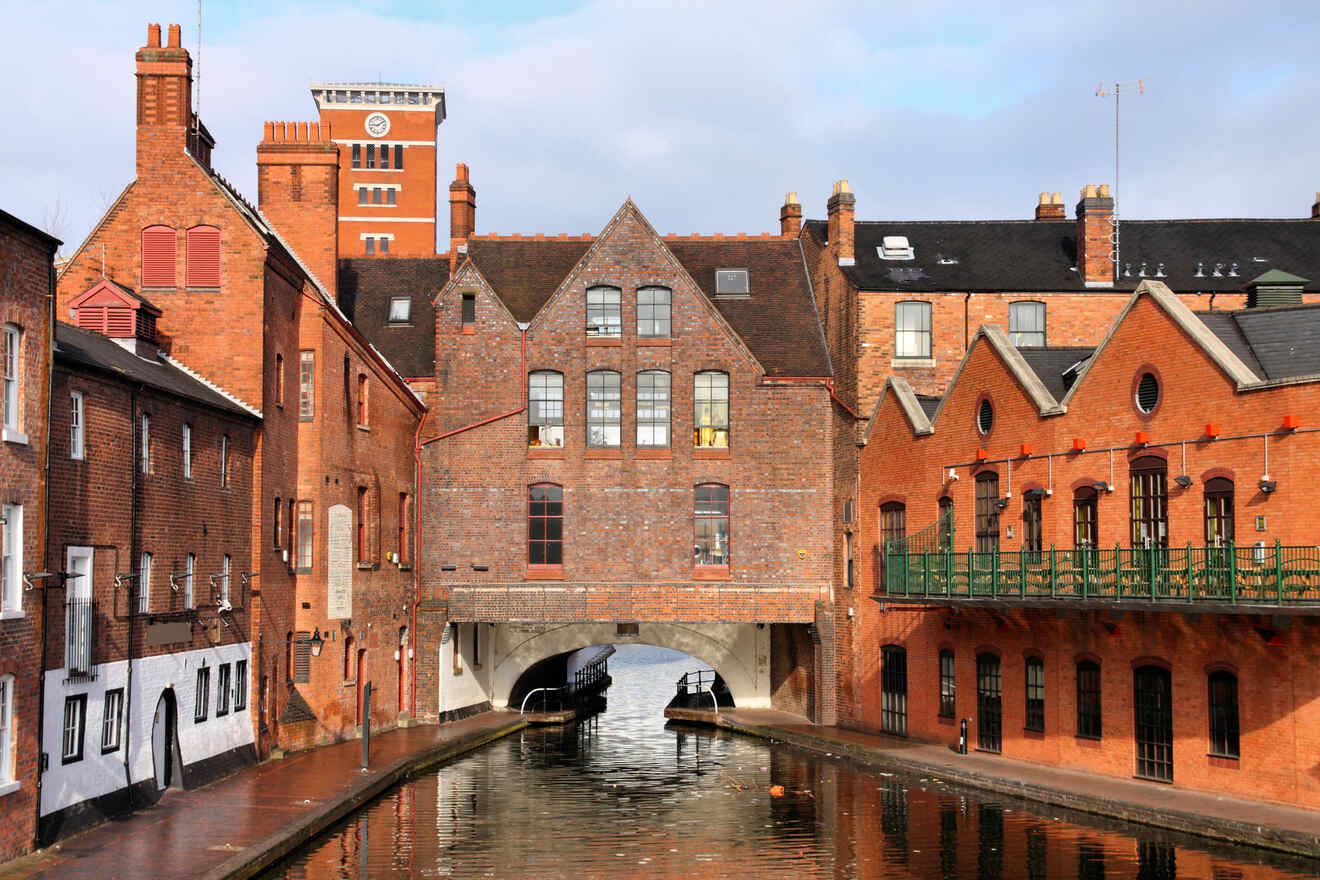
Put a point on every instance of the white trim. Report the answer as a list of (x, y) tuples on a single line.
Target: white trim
[(9, 435), (77, 427), (348, 142), (12, 615), (397, 187), (10, 787), (392, 219), (11, 561), (366, 235)]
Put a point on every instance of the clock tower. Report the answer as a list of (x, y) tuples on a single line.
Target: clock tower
[(385, 133)]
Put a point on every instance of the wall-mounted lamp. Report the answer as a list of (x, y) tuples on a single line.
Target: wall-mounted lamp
[(316, 642), (1267, 485), (1100, 486), (1183, 481), (1034, 493), (953, 475), (1001, 503)]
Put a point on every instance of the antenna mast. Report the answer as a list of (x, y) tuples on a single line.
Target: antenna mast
[(1102, 92), (197, 102)]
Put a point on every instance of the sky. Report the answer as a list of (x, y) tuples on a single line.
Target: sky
[(707, 113)]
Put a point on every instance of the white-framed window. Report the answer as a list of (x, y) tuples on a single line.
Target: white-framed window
[(13, 399), (187, 451), (189, 566), (224, 461), (202, 699), (76, 425), (224, 579), (912, 329), (11, 596), (400, 309), (112, 721), (1026, 323), (144, 583), (75, 718), (145, 451), (6, 729), (240, 685)]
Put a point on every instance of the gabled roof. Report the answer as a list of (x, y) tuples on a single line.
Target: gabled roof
[(1041, 255), (1052, 365), (51, 242), (108, 291), (1280, 342), (525, 272), (1017, 365), (82, 348), (918, 416), (366, 287)]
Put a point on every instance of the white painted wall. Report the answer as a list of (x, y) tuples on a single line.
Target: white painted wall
[(469, 683), (64, 785)]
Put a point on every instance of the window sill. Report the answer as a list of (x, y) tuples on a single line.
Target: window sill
[(604, 453), (711, 573), (10, 787), (1152, 779), (367, 566), (364, 428), (1226, 762), (468, 330), (1032, 733), (545, 452), (946, 719), (912, 363), (654, 454), (13, 435), (604, 341), (349, 682), (644, 342), (545, 572), (1090, 742), (405, 566), (12, 614), (711, 453)]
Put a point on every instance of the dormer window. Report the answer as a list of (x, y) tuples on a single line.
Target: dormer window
[(400, 309), (731, 282), (896, 247)]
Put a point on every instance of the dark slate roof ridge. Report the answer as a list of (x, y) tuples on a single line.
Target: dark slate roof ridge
[(1029, 221), (1250, 310), (74, 345), (51, 241)]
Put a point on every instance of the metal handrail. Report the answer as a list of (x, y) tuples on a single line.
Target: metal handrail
[(523, 709)]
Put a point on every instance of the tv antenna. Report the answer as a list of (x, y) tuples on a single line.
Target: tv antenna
[(1101, 91)]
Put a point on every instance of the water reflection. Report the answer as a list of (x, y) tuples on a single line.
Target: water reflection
[(621, 796)]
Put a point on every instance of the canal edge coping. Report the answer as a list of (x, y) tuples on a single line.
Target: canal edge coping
[(1240, 833), (254, 859)]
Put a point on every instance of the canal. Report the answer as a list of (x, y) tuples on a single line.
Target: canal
[(622, 796)]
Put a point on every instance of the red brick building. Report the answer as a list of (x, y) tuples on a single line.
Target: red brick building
[(27, 284), (333, 470), (1104, 559), (149, 637)]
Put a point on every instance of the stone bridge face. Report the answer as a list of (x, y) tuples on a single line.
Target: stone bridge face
[(657, 602)]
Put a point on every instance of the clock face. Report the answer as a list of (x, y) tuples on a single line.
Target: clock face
[(378, 125)]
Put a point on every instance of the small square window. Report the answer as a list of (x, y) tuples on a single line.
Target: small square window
[(731, 282), (390, 196), (400, 309)]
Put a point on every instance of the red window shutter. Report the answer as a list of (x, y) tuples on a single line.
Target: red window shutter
[(204, 256), (158, 246)]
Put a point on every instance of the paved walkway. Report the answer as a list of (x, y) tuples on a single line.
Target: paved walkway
[(1287, 829), (238, 826)]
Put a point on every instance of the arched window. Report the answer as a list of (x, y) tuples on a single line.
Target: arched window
[(1218, 512), (948, 685), (893, 690), (710, 420), (893, 525), (203, 256), (158, 256), (604, 312), (653, 409), (1035, 694), (1026, 323), (945, 530), (987, 512), (711, 525), (912, 329), (1088, 700), (1224, 714), (1150, 502), (545, 524), (604, 410), (545, 409), (1085, 519)]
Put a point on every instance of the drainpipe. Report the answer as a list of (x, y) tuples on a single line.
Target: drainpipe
[(45, 521), (967, 320), (416, 563), (132, 605)]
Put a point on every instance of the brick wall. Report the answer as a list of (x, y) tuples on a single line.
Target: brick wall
[(25, 287)]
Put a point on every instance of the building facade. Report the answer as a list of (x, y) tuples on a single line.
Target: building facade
[(27, 314), (149, 640), (1104, 561)]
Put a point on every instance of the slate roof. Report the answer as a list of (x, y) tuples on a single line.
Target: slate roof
[(778, 321), (930, 404), (1050, 363), (1041, 255), (366, 286), (82, 348), (1279, 342)]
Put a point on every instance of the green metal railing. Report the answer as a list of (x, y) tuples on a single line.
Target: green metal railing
[(1258, 575)]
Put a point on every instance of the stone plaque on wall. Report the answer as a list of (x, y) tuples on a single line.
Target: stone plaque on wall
[(339, 562)]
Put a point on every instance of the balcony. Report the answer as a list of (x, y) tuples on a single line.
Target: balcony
[(1228, 576), (79, 632)]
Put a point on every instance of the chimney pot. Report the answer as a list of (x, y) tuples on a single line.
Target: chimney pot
[(153, 36), (1057, 198), (1088, 191), (1315, 208), (841, 237), (1103, 192), (175, 39), (1048, 209), (790, 216), (1044, 199)]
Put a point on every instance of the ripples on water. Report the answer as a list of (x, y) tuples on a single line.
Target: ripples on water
[(621, 796)]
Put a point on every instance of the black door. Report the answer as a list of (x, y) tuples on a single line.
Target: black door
[(989, 700), (1153, 706), (893, 690)]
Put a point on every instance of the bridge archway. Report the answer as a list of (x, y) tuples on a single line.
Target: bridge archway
[(738, 652)]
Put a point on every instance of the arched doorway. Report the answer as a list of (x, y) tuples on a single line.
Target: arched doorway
[(165, 755)]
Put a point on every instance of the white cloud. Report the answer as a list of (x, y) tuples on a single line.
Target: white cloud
[(706, 113)]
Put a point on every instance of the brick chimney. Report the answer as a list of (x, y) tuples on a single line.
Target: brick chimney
[(164, 98), (462, 213), (840, 208), (298, 191), (1050, 207), (790, 216), (1095, 249), (1315, 208)]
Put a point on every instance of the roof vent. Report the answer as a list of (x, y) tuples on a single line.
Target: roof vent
[(1275, 288), (896, 247), (731, 282)]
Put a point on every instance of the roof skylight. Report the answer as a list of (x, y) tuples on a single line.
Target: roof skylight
[(896, 247)]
